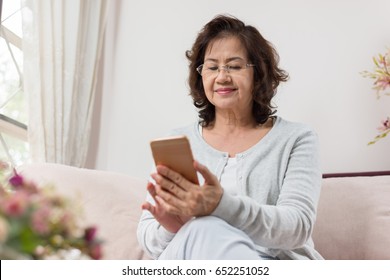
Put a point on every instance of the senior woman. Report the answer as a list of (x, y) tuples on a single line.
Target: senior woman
[(260, 174)]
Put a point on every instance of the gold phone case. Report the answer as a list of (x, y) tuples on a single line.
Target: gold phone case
[(175, 153)]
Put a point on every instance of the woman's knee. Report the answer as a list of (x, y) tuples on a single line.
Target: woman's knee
[(205, 224), (213, 238), (201, 227)]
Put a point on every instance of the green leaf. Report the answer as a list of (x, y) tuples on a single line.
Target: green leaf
[(29, 240)]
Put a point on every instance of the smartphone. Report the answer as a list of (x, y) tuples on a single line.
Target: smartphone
[(175, 153)]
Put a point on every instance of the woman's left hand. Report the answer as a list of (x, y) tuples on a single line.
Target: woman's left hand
[(181, 197)]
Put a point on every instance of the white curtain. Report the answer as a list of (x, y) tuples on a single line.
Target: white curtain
[(62, 43)]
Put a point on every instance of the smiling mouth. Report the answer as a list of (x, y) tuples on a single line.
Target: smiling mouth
[(225, 91)]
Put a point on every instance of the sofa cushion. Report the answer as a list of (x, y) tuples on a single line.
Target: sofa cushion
[(353, 220), (109, 200)]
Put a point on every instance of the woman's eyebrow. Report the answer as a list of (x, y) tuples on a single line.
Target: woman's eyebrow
[(227, 60), (234, 58)]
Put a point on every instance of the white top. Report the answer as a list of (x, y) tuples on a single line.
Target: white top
[(228, 178)]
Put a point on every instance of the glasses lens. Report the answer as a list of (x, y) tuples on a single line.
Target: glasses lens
[(211, 69)]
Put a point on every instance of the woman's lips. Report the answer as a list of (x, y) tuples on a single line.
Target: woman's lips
[(225, 91)]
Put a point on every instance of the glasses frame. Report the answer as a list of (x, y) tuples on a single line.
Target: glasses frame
[(225, 67)]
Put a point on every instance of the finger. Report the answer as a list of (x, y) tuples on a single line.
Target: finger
[(170, 199), (149, 207), (169, 186), (151, 189), (170, 174), (168, 207), (162, 181), (205, 172), (174, 177)]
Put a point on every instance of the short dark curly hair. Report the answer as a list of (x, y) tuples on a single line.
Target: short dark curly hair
[(261, 53)]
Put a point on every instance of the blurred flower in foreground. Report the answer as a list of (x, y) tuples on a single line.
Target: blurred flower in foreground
[(37, 223)]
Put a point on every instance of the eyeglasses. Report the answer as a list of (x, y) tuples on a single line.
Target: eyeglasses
[(211, 69)]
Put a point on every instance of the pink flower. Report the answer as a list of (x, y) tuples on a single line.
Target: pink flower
[(40, 220), (385, 125), (16, 204), (96, 251), (16, 180), (382, 83), (90, 234)]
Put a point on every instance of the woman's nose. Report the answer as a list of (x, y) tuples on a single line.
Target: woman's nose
[(222, 74)]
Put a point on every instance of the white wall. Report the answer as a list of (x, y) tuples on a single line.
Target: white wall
[(322, 44)]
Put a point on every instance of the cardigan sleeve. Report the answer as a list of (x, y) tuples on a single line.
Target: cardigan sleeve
[(152, 237)]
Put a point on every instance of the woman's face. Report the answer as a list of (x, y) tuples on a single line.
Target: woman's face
[(228, 91)]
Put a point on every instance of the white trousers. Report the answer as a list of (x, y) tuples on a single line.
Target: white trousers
[(210, 238)]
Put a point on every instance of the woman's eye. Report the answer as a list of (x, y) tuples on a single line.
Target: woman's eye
[(235, 67), (212, 68)]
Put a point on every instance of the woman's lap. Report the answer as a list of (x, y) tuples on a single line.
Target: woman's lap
[(210, 238)]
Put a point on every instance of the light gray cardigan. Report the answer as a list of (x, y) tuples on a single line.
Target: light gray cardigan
[(279, 182)]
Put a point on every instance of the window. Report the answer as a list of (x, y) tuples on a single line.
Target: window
[(13, 104)]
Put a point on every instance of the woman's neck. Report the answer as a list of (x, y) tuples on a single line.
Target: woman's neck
[(229, 122)]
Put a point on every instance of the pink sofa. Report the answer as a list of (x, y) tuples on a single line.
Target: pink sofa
[(353, 215), (353, 218)]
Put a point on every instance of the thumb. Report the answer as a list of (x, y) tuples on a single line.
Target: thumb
[(209, 177)]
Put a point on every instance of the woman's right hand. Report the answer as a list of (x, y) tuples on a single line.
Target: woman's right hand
[(170, 222)]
